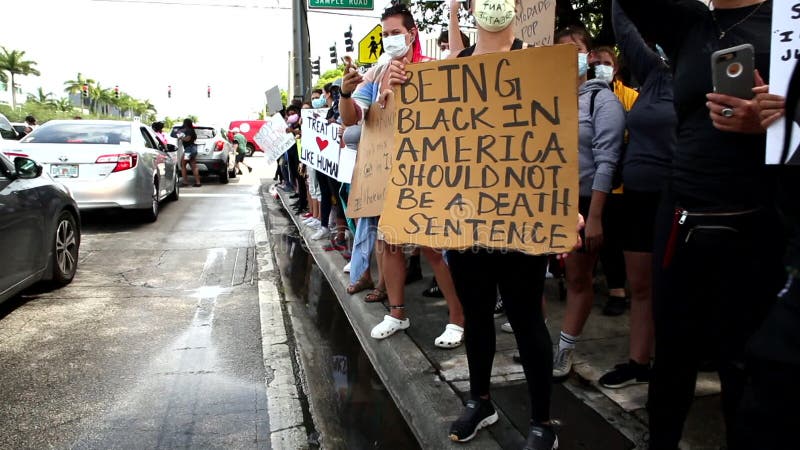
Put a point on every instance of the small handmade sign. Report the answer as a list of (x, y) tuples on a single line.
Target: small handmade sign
[(321, 142)]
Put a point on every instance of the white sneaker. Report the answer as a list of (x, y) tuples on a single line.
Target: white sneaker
[(313, 223), (308, 220), (562, 363), (388, 327), (321, 233), (347, 268), (507, 327)]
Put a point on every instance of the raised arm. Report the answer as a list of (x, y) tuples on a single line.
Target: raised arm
[(637, 54), (665, 21), (454, 30)]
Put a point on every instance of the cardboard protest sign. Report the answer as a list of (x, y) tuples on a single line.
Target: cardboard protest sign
[(273, 138), (373, 162), (274, 102), (486, 153), (320, 142), (535, 21), (784, 54)]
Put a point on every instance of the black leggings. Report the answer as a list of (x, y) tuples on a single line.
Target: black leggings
[(477, 274), (714, 280), (329, 188), (611, 257)]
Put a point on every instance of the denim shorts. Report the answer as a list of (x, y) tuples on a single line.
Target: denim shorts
[(190, 151)]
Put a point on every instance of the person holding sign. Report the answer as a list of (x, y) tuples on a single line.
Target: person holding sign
[(719, 238), (601, 129), (478, 272), (358, 94)]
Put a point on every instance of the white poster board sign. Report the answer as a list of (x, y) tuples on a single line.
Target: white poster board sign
[(321, 142), (535, 21), (273, 138), (785, 53), (274, 102)]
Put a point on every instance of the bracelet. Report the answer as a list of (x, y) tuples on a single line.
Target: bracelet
[(345, 94)]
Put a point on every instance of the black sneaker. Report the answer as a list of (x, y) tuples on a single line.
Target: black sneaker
[(499, 310), (478, 414), (541, 437), (433, 291), (626, 374), (615, 306)]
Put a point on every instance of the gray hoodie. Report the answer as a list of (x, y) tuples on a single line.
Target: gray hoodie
[(600, 136)]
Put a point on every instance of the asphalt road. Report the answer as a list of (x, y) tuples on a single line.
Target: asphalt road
[(155, 344)]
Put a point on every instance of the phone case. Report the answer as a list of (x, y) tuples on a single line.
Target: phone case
[(732, 71)]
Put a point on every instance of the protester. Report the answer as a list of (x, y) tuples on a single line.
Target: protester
[(401, 42), (30, 124), (719, 239), (240, 146), (651, 126), (601, 127), (444, 43), (293, 160), (187, 137), (158, 129)]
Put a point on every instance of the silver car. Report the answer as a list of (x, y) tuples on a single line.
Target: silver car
[(215, 155), (106, 163), (40, 228)]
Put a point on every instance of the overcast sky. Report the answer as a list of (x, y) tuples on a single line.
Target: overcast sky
[(239, 47)]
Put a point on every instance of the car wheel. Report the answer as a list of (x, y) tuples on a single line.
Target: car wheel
[(250, 149), (65, 248), (176, 192), (223, 176), (151, 214), (232, 173)]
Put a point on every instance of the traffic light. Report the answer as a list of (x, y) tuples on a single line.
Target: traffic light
[(116, 91), (85, 90), (348, 40), (169, 91), (315, 66), (208, 92), (334, 58)]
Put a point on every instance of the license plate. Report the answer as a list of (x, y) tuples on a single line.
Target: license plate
[(64, 170)]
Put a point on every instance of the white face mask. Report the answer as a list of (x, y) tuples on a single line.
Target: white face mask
[(583, 65), (445, 53), (605, 73), (494, 15), (395, 46)]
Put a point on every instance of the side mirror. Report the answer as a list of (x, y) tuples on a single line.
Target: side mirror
[(27, 168), (172, 148)]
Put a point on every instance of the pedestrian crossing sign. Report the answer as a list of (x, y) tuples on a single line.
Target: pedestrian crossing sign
[(370, 48)]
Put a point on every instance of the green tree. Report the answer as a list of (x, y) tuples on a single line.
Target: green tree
[(63, 104), (42, 98), (75, 86), (329, 77), (14, 63)]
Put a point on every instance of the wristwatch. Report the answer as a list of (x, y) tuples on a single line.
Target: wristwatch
[(344, 94)]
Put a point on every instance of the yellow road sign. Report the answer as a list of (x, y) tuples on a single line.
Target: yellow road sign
[(370, 47)]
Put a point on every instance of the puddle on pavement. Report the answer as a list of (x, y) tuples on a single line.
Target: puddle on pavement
[(362, 411)]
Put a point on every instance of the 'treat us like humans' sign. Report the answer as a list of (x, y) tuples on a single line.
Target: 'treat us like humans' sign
[(486, 153)]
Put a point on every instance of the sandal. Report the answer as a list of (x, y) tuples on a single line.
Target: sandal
[(451, 338), (360, 285), (388, 327), (376, 296)]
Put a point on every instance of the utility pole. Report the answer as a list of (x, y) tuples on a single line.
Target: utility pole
[(302, 49)]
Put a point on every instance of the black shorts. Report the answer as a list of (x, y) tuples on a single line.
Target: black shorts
[(239, 157), (612, 212), (639, 213)]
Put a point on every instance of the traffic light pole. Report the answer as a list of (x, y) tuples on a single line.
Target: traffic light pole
[(302, 51)]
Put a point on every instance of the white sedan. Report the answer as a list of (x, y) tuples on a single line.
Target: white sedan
[(105, 163)]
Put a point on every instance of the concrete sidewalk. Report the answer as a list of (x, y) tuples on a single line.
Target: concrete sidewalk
[(429, 384)]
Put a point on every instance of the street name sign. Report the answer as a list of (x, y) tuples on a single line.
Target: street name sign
[(341, 4)]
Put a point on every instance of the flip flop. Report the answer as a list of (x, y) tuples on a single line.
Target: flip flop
[(388, 327), (451, 338), (360, 285), (376, 296)]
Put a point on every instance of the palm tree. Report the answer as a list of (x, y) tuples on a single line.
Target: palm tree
[(13, 63), (40, 98), (63, 104), (103, 98)]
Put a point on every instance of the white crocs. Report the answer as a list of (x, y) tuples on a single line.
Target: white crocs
[(451, 338), (388, 327)]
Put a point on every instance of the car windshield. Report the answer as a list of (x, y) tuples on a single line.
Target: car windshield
[(202, 132), (80, 133)]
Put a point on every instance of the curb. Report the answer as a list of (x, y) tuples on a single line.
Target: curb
[(427, 402), (286, 424)]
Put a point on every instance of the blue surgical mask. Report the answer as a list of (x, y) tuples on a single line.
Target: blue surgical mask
[(583, 64), (319, 103), (605, 73)]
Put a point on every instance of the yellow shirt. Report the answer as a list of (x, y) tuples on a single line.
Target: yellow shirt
[(627, 97)]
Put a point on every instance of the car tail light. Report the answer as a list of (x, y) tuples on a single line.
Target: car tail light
[(219, 146), (12, 155), (123, 161)]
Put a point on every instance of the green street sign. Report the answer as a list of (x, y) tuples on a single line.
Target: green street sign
[(341, 4)]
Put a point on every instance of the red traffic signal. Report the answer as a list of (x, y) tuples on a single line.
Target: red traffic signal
[(208, 92), (116, 91), (169, 91), (85, 90)]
